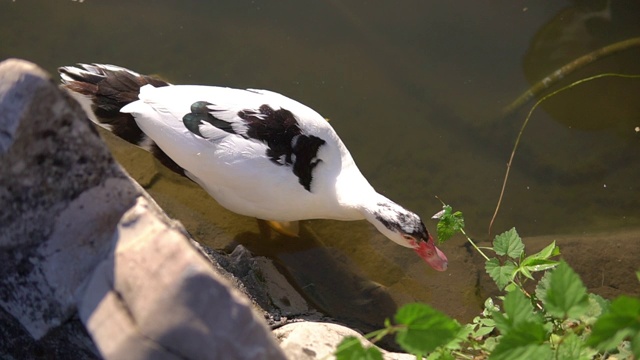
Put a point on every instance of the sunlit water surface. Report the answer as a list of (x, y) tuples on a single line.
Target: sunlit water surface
[(415, 89)]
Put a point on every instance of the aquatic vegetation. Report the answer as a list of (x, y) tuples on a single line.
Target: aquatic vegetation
[(559, 320)]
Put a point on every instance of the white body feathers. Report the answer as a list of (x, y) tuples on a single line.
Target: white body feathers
[(236, 170)]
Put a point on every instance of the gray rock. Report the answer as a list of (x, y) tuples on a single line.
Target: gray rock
[(259, 279), (81, 240), (172, 305), (315, 340), (54, 173)]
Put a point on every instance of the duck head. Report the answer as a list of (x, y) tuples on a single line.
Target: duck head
[(407, 229)]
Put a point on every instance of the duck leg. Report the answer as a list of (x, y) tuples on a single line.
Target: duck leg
[(286, 228)]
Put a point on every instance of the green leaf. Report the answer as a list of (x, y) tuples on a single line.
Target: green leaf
[(524, 330), (350, 348), (597, 306), (524, 271), (566, 294), (508, 243), (635, 344), (622, 321), (489, 307), (517, 310), (426, 328), (486, 322), (525, 341), (441, 355), (461, 336), (549, 251), (510, 287), (501, 274), (533, 264), (490, 343), (573, 348), (482, 331), (543, 285), (526, 352), (449, 224)]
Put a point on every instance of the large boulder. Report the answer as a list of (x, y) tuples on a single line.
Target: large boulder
[(83, 247)]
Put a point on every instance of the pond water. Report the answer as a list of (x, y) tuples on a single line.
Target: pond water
[(416, 91)]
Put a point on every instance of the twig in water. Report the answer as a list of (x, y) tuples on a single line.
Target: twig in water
[(526, 121), (565, 70)]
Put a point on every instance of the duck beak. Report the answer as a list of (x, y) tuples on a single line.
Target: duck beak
[(428, 251)]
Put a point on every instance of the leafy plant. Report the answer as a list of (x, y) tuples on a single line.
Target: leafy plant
[(559, 320), (419, 329)]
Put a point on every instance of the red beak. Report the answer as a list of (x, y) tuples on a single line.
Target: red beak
[(432, 255)]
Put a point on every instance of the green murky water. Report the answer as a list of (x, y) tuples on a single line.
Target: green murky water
[(415, 90)]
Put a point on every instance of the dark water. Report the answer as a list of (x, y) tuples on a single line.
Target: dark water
[(414, 88)]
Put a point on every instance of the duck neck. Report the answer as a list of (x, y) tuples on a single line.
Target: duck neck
[(378, 210)]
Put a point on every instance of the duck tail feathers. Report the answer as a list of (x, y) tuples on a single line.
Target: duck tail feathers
[(105, 89)]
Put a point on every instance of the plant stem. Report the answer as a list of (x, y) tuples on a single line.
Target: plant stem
[(458, 354), (474, 245), (565, 70), (526, 121), (377, 335), (526, 293)]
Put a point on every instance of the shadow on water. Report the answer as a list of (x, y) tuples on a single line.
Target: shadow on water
[(326, 277)]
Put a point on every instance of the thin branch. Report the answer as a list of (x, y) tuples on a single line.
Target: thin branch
[(565, 70), (526, 121)]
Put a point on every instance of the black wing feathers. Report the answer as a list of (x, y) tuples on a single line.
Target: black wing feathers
[(278, 129)]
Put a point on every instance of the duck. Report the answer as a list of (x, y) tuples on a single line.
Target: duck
[(256, 152)]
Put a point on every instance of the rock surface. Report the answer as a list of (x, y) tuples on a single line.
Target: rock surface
[(80, 240), (155, 297), (309, 340)]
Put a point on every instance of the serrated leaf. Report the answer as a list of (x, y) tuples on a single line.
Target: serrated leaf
[(622, 321), (501, 274), (517, 310), (449, 224), (350, 348), (502, 322), (508, 243), (597, 306), (461, 336), (566, 295), (523, 342), (541, 288), (426, 328), (573, 348)]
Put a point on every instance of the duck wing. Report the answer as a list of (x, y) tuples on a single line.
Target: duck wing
[(260, 123)]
